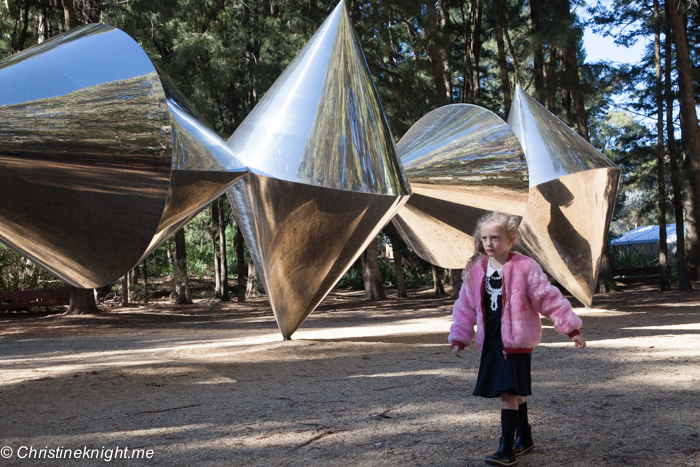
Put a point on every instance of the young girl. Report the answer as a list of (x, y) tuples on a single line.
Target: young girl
[(503, 295)]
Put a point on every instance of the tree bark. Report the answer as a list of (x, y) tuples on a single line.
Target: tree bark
[(438, 288), (182, 289), (82, 302), (223, 263), (665, 279), (689, 129), (564, 91), (536, 13), (475, 48), (434, 49), (513, 56), (606, 281), (499, 12), (144, 266), (551, 82), (25, 27), (374, 288), (253, 281), (217, 260), (240, 258), (683, 276), (573, 80), (456, 279), (125, 289), (398, 262), (69, 16)]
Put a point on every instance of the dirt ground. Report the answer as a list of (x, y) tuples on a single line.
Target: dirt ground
[(362, 383)]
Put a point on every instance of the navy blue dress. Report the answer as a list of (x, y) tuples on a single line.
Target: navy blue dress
[(500, 374)]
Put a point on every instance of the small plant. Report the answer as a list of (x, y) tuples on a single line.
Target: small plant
[(120, 374), (365, 357), (155, 384)]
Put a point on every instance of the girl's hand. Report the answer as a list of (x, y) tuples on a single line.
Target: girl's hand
[(579, 341), (455, 350)]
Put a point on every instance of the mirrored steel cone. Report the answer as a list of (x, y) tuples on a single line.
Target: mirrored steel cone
[(100, 159), (325, 177), (462, 161), (572, 195)]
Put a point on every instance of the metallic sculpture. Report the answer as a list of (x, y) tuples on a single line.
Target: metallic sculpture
[(463, 161), (101, 159), (324, 172), (572, 196)]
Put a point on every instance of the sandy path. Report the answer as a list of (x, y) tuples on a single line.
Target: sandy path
[(362, 383)]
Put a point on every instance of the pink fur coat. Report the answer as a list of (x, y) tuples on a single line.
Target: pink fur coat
[(526, 294)]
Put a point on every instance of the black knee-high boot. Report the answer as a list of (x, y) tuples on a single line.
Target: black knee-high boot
[(504, 457), (523, 440)]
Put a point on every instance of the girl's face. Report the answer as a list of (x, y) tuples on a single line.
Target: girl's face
[(495, 241)]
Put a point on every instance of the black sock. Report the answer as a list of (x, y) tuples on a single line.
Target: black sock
[(523, 422), (509, 422)]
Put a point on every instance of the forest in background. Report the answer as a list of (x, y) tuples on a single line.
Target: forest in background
[(225, 54)]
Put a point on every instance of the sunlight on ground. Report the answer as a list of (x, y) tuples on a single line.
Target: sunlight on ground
[(457, 373), (424, 325), (600, 311), (670, 327)]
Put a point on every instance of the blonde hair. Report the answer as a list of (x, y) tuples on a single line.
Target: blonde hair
[(509, 224)]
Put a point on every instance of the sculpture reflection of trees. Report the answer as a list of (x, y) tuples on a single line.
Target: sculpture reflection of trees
[(226, 54)]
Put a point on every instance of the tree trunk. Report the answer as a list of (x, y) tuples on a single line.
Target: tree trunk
[(466, 60), (434, 49), (253, 281), (144, 266), (25, 26), (456, 279), (374, 288), (125, 289), (437, 283), (683, 276), (398, 262), (665, 279), (513, 55), (573, 80), (69, 16), (475, 48), (689, 129), (551, 84), (217, 260), (223, 263), (536, 13), (564, 91), (134, 281), (498, 8), (240, 258), (182, 289), (82, 302), (606, 281)]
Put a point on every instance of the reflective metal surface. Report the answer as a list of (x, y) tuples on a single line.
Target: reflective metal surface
[(553, 149), (572, 196), (302, 238), (321, 123), (450, 162), (98, 161), (325, 177), (566, 224), (462, 161)]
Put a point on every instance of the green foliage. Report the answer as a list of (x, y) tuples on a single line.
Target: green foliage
[(628, 144), (225, 54), (351, 279), (18, 273)]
